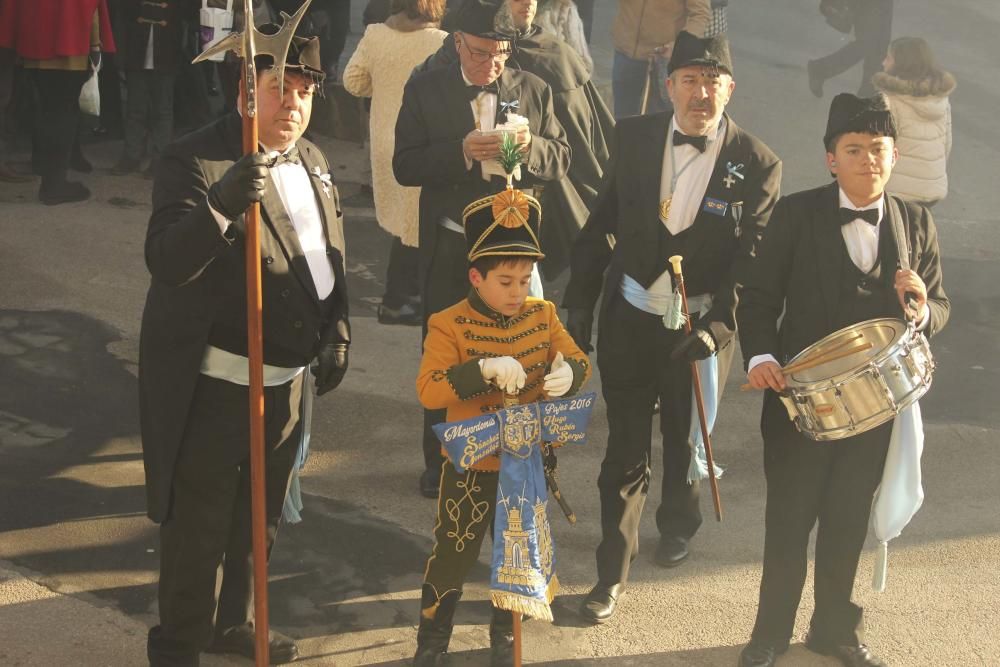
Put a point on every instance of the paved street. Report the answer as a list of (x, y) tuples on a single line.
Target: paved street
[(78, 557)]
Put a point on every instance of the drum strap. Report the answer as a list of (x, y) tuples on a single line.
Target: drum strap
[(899, 231)]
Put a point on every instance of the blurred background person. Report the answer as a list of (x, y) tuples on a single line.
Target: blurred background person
[(641, 29), (872, 26), (379, 68), (60, 45), (918, 92), (559, 18), (151, 50)]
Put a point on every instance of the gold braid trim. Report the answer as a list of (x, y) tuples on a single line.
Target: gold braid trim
[(506, 339), (507, 324)]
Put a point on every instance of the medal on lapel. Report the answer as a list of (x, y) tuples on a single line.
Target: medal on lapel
[(665, 209)]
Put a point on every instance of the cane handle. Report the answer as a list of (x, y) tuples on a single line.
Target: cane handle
[(675, 261)]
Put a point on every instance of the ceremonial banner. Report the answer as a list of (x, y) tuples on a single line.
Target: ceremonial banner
[(523, 578)]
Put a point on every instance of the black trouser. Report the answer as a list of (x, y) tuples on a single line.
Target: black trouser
[(402, 275), (872, 34), (831, 483), (209, 521), (466, 504), (446, 283), (111, 93), (57, 121), (149, 112), (633, 354)]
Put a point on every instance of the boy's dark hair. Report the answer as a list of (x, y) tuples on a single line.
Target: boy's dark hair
[(486, 264)]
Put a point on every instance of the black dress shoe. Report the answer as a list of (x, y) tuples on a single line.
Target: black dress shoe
[(62, 193), (848, 655), (406, 315), (756, 654), (815, 79), (430, 483), (599, 605), (240, 640), (673, 551)]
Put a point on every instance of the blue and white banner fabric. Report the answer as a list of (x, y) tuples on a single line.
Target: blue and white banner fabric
[(559, 422), (901, 492), (523, 578), (708, 371)]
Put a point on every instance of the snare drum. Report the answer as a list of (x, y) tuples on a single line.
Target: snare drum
[(855, 393)]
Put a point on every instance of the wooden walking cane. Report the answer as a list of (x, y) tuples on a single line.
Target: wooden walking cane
[(249, 44), (675, 262)]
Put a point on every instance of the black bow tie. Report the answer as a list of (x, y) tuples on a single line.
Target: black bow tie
[(473, 91), (698, 142), (848, 215), (291, 156)]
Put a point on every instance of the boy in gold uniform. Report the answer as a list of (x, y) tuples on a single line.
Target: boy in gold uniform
[(497, 341)]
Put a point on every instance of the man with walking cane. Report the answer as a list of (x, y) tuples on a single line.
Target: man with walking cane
[(205, 382), (692, 184)]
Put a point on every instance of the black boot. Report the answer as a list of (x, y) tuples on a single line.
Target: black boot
[(436, 623), (501, 638)]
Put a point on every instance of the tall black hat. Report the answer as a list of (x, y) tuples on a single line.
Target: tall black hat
[(850, 113), (475, 17), (506, 224), (303, 55), (690, 50)]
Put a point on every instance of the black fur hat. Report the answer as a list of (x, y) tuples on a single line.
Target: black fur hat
[(850, 113), (475, 17), (303, 56), (690, 50)]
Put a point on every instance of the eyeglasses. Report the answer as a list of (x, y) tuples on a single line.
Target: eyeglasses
[(481, 57)]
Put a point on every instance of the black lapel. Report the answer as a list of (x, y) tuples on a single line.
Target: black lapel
[(276, 217), (701, 228), (462, 117), (510, 91), (325, 191), (649, 160), (830, 249)]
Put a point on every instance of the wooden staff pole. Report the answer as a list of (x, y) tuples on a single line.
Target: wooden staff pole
[(255, 352), (509, 401), (675, 262)]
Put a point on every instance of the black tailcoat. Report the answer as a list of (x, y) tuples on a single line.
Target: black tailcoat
[(197, 294), (435, 117), (799, 272), (719, 249)]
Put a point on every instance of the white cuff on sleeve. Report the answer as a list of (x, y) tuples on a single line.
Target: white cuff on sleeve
[(758, 360), (220, 219)]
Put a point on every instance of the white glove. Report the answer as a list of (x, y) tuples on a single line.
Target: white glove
[(560, 377), (506, 372)]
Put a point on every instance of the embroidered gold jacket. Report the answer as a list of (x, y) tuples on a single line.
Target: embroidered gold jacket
[(458, 337)]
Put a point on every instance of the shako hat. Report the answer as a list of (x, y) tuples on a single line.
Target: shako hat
[(850, 113), (475, 17), (303, 55), (690, 51), (506, 224)]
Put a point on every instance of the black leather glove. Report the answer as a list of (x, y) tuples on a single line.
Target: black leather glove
[(579, 324), (241, 185), (332, 367), (697, 345)]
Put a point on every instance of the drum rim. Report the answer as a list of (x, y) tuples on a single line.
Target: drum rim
[(834, 380)]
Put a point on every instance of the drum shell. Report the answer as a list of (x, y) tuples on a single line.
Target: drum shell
[(868, 395)]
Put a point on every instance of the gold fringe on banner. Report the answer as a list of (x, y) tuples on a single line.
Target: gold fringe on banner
[(528, 606)]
